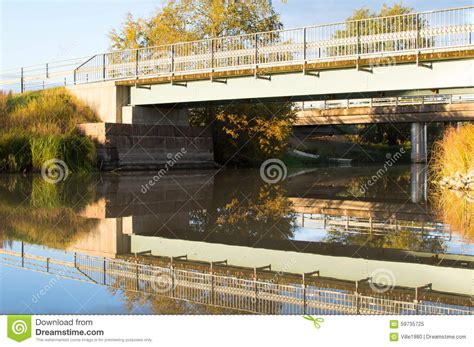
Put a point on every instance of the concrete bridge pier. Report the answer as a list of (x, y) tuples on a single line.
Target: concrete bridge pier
[(418, 183), (419, 143)]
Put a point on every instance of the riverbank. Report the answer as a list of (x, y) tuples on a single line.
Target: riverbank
[(41, 126), (453, 171), (453, 161), (328, 148)]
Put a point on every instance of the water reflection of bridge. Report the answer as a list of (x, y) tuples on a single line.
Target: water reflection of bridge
[(186, 214), (171, 208), (270, 293), (389, 212)]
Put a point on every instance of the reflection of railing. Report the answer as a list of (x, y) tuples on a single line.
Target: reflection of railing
[(411, 100), (433, 31), (375, 226), (252, 295)]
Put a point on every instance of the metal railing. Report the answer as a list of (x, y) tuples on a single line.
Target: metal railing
[(375, 226), (250, 295), (411, 100), (434, 31)]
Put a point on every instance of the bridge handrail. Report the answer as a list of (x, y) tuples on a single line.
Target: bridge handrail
[(451, 28), (407, 100)]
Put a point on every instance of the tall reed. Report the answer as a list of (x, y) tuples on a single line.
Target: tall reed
[(454, 153), (39, 126)]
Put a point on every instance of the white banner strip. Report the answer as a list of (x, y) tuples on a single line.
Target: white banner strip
[(237, 330)]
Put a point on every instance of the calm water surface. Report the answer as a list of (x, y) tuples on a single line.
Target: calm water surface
[(344, 222)]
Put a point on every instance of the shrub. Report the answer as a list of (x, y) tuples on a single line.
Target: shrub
[(454, 152)]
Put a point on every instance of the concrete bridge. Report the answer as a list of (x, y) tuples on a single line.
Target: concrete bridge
[(426, 53)]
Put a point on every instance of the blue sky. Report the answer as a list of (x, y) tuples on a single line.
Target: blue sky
[(37, 31)]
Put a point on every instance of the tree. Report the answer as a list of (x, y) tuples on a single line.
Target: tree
[(242, 133), (130, 36), (386, 10), (188, 20), (385, 133)]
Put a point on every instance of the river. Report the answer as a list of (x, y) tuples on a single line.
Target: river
[(350, 228)]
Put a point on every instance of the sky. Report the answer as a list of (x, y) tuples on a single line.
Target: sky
[(38, 31)]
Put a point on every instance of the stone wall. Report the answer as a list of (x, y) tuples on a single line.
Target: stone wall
[(142, 146)]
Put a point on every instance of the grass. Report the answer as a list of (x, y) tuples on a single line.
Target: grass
[(41, 125), (454, 153)]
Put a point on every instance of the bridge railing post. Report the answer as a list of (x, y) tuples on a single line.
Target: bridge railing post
[(304, 293), (417, 28), (305, 39), (172, 58), (358, 39), (137, 55), (256, 50), (23, 254), (212, 54), (105, 270), (22, 82), (103, 67)]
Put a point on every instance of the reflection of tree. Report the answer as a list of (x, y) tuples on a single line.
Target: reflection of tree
[(400, 239), (252, 211), (380, 185), (35, 211)]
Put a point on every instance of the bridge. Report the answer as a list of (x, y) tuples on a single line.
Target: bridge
[(425, 53), (257, 290)]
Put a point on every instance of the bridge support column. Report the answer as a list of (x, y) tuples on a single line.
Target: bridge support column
[(418, 183), (418, 143)]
